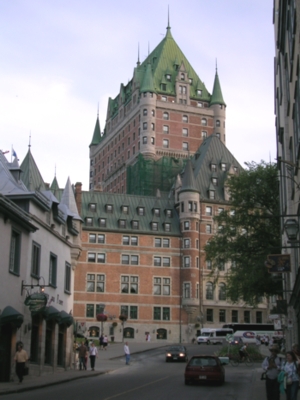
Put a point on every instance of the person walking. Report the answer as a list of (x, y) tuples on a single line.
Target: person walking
[(127, 353), (82, 355), (101, 341), (105, 342), (292, 378), (272, 366), (93, 355), (20, 360)]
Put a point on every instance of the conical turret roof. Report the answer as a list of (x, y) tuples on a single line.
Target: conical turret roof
[(148, 84), (188, 180), (217, 97), (97, 134), (31, 175)]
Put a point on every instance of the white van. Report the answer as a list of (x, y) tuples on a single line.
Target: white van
[(213, 336)]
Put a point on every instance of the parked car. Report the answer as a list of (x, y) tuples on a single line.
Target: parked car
[(176, 353), (204, 369)]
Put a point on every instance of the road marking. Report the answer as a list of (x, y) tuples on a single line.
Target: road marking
[(136, 388)]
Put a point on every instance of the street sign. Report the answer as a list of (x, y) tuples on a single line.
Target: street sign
[(36, 301), (229, 337)]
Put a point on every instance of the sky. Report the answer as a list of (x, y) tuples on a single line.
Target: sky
[(62, 59)]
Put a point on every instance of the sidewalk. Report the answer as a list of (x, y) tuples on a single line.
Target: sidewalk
[(107, 361)]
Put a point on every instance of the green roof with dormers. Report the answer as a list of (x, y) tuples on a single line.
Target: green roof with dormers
[(217, 97), (148, 82), (97, 134)]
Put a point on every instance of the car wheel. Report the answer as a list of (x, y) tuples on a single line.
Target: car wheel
[(208, 342)]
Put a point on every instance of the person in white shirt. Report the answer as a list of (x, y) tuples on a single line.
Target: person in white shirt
[(93, 354), (127, 353)]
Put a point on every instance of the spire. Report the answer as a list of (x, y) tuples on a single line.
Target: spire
[(97, 133), (148, 84), (31, 175), (138, 61), (217, 97), (68, 200), (188, 180), (54, 185)]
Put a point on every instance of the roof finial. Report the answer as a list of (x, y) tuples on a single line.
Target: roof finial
[(168, 27), (138, 61), (216, 65), (29, 145), (98, 110), (55, 170), (148, 48)]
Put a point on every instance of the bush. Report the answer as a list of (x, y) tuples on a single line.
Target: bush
[(232, 351)]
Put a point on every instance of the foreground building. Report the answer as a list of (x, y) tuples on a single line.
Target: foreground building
[(143, 256), (287, 106), (40, 245)]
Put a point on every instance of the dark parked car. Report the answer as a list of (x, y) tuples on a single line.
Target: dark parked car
[(204, 369), (176, 353)]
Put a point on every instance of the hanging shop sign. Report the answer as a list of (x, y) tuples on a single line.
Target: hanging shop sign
[(278, 263), (36, 301)]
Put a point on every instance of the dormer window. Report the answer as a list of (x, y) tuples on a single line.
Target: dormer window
[(223, 167), (163, 86), (156, 212), (182, 76), (214, 181), (212, 194), (122, 223), (135, 224), (167, 227), (168, 77), (141, 210), (102, 222), (199, 92), (125, 209), (169, 213), (190, 81), (213, 167), (89, 221), (235, 169), (109, 208), (204, 134), (92, 207)]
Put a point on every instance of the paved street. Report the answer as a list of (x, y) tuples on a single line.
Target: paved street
[(147, 377)]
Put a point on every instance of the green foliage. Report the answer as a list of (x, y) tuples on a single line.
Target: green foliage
[(247, 233), (232, 351)]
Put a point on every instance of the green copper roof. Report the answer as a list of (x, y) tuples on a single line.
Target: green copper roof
[(97, 134), (54, 185), (188, 180), (217, 97), (31, 175), (148, 84)]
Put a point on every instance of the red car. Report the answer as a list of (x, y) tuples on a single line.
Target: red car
[(204, 369)]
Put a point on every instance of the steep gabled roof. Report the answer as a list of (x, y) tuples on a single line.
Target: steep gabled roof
[(67, 202), (188, 180), (213, 151), (31, 175)]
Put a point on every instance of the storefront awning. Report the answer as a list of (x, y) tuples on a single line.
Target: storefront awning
[(65, 318), (11, 316), (51, 313)]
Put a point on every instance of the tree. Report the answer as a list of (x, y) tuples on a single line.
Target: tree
[(247, 233)]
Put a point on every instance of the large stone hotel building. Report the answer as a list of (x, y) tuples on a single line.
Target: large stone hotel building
[(158, 176)]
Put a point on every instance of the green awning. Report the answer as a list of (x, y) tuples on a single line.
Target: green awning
[(11, 316), (50, 313), (65, 318)]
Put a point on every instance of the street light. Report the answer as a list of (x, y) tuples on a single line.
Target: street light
[(291, 228)]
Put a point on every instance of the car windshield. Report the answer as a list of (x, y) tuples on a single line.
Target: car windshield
[(175, 348), (205, 334), (203, 362)]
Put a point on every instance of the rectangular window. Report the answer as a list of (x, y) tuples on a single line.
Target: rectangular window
[(125, 259), (157, 286), (122, 223), (186, 243), (129, 284), (15, 251), (247, 317), (68, 278), (102, 222), (208, 264), (186, 261), (186, 290), (133, 312), (52, 269), (134, 260), (141, 210), (166, 242), (101, 238), (157, 261), (166, 261), (101, 258), (184, 132), (157, 313), (208, 228), (134, 240), (186, 225), (234, 316), (167, 227), (35, 260), (90, 310), (90, 282), (92, 257), (92, 238), (166, 313), (157, 242), (208, 210), (222, 315), (185, 146), (259, 317), (135, 224), (154, 226), (125, 240), (210, 315)]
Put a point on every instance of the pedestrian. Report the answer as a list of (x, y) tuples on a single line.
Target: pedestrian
[(272, 366), (93, 354), (105, 342), (243, 352), (101, 341), (292, 378), (82, 356), (127, 353), (20, 360), (149, 337)]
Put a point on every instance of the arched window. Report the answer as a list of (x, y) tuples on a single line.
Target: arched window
[(218, 123), (161, 334), (128, 333), (209, 291), (222, 291)]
